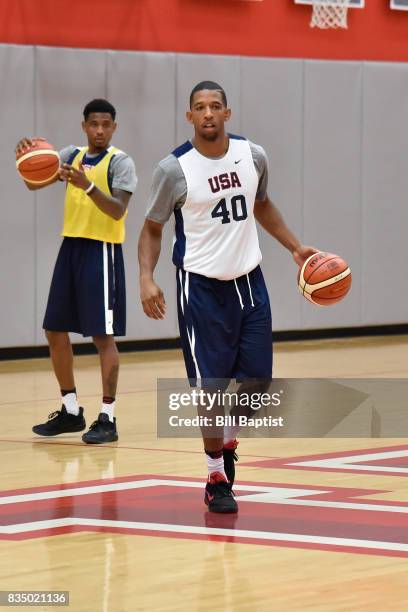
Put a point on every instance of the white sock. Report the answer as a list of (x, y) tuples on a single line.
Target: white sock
[(108, 409), (71, 403), (216, 465)]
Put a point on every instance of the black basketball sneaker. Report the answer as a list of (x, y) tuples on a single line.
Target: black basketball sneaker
[(60, 422), (218, 495), (101, 431)]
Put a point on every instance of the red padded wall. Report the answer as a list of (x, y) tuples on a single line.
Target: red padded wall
[(272, 28)]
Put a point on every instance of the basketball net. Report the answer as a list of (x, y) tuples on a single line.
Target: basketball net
[(329, 14)]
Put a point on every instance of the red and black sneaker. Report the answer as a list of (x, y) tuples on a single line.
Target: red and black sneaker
[(230, 456), (219, 496)]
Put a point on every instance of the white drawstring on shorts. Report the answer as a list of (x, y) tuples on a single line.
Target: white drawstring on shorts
[(250, 292), (239, 295)]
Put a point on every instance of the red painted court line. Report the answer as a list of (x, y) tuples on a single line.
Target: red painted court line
[(58, 399), (309, 468), (169, 477), (183, 536), (347, 453), (394, 462), (292, 462), (141, 448), (140, 506)]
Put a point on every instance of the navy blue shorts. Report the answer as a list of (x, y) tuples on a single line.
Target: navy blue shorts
[(225, 326), (87, 293)]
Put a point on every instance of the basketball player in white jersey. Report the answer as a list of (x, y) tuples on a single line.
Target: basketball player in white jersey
[(216, 187)]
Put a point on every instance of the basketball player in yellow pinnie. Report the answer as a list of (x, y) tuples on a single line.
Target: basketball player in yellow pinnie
[(87, 293)]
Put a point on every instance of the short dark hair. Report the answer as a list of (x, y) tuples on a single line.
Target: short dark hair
[(99, 106), (212, 86)]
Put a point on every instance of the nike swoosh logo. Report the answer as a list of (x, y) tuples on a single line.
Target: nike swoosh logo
[(210, 497), (237, 162)]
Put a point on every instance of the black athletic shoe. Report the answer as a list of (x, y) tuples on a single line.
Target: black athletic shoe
[(219, 496), (60, 422), (101, 431), (230, 456)]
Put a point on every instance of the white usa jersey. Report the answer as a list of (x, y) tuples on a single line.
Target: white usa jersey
[(216, 233)]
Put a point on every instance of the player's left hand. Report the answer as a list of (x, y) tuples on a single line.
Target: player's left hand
[(75, 176), (302, 253)]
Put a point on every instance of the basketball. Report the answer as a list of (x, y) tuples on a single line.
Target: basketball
[(324, 279), (39, 163)]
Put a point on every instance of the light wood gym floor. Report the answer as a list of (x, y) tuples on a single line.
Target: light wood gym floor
[(142, 568)]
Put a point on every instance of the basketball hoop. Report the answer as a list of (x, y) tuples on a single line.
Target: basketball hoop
[(329, 14)]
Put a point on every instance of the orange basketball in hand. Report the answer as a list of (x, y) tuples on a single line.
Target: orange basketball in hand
[(324, 279), (39, 163)]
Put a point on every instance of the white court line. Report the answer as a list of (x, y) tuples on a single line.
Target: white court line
[(352, 462), (207, 531), (279, 492), (261, 494)]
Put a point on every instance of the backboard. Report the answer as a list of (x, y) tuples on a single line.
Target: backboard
[(401, 5)]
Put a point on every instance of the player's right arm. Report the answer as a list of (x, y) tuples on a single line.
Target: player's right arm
[(151, 295), (21, 146), (168, 190)]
